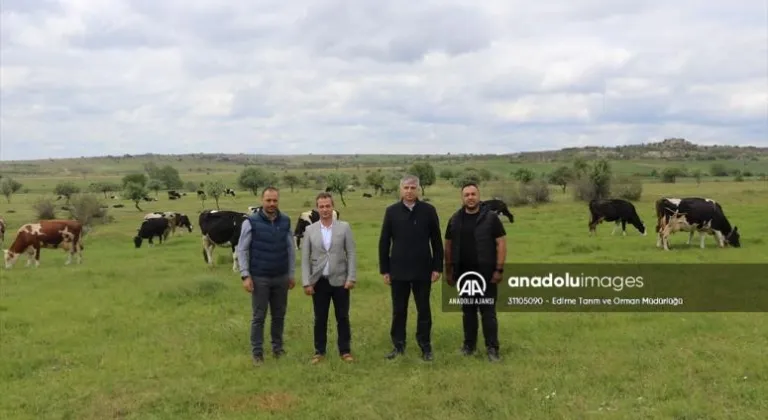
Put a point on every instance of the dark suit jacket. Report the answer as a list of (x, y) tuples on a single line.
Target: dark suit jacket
[(410, 245)]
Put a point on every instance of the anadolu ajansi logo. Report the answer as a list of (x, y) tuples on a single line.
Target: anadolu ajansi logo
[(471, 284)]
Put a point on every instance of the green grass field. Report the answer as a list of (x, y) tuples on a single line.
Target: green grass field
[(152, 333)]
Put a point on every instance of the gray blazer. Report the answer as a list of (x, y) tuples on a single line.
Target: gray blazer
[(343, 260)]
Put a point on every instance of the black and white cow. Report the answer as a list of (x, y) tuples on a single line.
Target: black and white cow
[(305, 219), (614, 210), (694, 214), (150, 228), (229, 191), (173, 195), (222, 228), (500, 208)]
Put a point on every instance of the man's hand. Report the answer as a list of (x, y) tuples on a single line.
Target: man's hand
[(349, 285), (387, 280), (435, 276), (449, 277), (248, 284), (309, 290), (291, 283), (496, 277)]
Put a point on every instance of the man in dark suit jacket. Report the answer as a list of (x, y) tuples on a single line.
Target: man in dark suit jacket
[(410, 260)]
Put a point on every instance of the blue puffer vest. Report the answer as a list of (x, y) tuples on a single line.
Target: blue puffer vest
[(269, 247)]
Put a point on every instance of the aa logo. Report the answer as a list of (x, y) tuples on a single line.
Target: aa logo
[(470, 284)]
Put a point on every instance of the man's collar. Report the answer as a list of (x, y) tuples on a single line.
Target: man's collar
[(415, 203)]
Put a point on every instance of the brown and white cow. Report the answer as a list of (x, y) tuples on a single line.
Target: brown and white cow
[(31, 237)]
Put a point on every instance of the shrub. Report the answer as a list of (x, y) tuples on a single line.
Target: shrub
[(87, 209), (536, 191), (45, 209), (628, 188)]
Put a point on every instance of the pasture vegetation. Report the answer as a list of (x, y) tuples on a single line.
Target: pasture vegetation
[(153, 333)]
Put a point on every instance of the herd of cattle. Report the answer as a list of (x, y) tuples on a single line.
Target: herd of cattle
[(222, 227)]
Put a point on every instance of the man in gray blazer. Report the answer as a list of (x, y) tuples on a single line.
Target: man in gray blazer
[(328, 270)]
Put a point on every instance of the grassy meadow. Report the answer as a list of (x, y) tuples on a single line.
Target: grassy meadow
[(152, 333)]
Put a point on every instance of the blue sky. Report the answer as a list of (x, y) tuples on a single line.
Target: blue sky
[(95, 77)]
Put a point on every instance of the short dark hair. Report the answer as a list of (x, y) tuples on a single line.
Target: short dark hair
[(324, 194), (469, 184), (269, 189)]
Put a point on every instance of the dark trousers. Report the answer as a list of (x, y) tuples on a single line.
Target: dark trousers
[(321, 302), (489, 321), (401, 293), (272, 293)]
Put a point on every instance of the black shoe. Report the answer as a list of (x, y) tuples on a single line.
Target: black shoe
[(258, 359), (394, 353), (427, 356), (278, 353), (467, 351), (493, 355)]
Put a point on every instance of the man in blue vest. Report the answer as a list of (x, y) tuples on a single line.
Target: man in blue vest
[(267, 246)]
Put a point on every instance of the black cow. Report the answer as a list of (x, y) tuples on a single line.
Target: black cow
[(305, 219), (182, 220), (367, 195), (173, 195), (694, 214), (614, 210), (222, 228), (201, 194), (499, 207), (150, 228)]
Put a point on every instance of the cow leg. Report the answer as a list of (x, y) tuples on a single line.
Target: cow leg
[(30, 255), (235, 265), (69, 255), (79, 253), (690, 237), (702, 237), (37, 255), (208, 247), (593, 222), (615, 226)]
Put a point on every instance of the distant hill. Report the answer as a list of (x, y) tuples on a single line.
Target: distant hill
[(671, 149), (676, 149)]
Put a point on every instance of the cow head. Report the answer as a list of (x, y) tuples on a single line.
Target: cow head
[(733, 239), (137, 241), (184, 222), (10, 258)]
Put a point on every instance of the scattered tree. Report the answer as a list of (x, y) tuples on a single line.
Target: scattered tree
[(66, 190), (9, 187), (140, 179), (561, 176), (155, 185), (215, 189), (697, 176), (253, 178), (291, 180), (426, 174), (669, 175), (135, 192), (375, 180), (524, 175), (337, 182)]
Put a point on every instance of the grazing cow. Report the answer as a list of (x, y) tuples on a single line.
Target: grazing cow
[(118, 206), (177, 220), (173, 195), (31, 237), (702, 215), (171, 216), (229, 191), (614, 210), (201, 194), (157, 226), (367, 195), (222, 228), (500, 208), (305, 219)]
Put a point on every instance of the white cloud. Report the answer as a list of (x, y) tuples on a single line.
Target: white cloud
[(89, 77)]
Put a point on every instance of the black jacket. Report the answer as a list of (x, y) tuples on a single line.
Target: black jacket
[(408, 234), (485, 241)]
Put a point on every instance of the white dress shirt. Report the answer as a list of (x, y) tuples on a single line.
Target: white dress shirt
[(326, 231)]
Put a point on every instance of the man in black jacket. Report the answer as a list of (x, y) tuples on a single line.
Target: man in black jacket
[(475, 240), (409, 228)]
